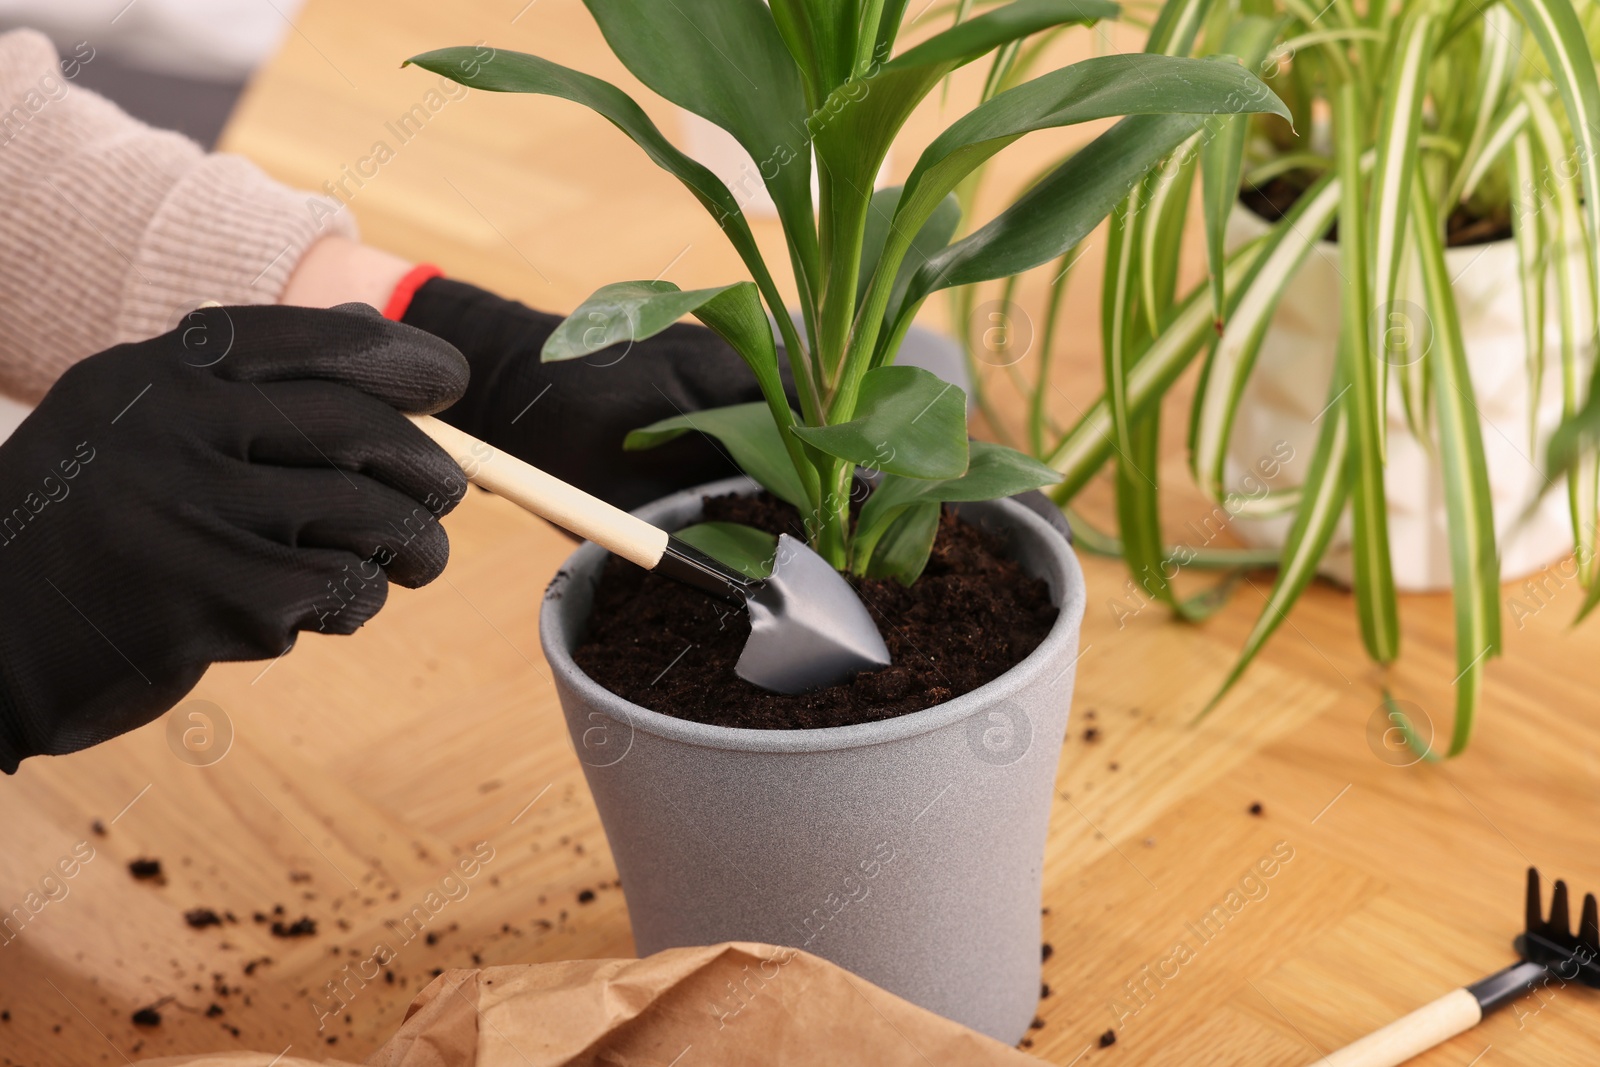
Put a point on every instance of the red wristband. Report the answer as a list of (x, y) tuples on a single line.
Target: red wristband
[(407, 288)]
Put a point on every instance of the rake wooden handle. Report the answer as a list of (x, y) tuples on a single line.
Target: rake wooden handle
[(1456, 1012), (549, 497)]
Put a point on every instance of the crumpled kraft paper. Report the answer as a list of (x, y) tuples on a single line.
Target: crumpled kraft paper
[(730, 1004)]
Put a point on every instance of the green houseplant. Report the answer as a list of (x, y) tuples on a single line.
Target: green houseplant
[(1443, 119), (821, 80), (906, 848)]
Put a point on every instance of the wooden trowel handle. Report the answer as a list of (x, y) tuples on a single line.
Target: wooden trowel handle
[(1456, 1012), (548, 497)]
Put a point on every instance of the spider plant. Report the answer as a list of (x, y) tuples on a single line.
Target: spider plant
[(824, 81), (1439, 109)]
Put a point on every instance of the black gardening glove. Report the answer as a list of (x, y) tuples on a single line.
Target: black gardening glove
[(203, 496), (570, 418)]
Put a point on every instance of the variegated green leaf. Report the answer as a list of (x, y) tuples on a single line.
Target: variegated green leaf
[(1570, 248), (1555, 25), (1398, 130), (1324, 493), (1222, 156), (1084, 449), (1474, 562), (1373, 573), (1251, 304), (1532, 267), (1497, 65)]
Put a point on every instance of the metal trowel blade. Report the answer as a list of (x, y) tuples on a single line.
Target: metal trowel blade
[(808, 628)]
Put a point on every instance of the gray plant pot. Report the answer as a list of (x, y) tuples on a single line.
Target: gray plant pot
[(907, 851)]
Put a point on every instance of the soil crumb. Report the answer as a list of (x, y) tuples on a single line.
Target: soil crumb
[(200, 918), (1108, 1039), (147, 870), (305, 926), (973, 615)]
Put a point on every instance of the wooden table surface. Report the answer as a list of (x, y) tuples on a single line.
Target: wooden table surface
[(358, 768)]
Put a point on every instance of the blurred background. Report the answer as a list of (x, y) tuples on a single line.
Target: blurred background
[(176, 64)]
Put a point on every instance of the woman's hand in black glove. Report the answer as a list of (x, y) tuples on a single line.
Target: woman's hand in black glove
[(205, 495), (570, 418)]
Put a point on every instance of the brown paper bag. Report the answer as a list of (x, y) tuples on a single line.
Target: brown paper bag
[(737, 1003)]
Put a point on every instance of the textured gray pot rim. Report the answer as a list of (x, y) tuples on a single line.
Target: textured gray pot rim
[(1073, 600)]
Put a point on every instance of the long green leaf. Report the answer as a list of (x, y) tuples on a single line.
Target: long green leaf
[(1497, 65), (749, 434), (1326, 489), (1576, 439), (1064, 206), (1495, 145), (994, 471), (903, 551), (1555, 25), (1251, 304), (1160, 238), (1222, 156), (1572, 251), (1123, 339), (744, 548), (1084, 449), (624, 312), (1175, 27), (1146, 87), (633, 311), (907, 421), (1528, 236), (1373, 571), (934, 235), (1089, 538), (516, 72), (894, 12), (1055, 304), (1398, 130), (854, 128), (728, 64), (1474, 562), (821, 36)]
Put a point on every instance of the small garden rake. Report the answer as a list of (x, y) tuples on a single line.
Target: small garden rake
[(1550, 953)]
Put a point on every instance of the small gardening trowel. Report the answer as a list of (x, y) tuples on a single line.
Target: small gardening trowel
[(808, 628), (1550, 953)]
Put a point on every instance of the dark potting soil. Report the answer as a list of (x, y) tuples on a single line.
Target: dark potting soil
[(973, 615), (1273, 200)]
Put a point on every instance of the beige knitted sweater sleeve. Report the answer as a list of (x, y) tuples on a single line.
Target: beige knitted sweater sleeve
[(110, 230)]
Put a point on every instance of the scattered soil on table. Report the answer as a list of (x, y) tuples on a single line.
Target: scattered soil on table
[(147, 870), (147, 1017), (305, 926), (200, 918), (1274, 199), (1256, 808), (1108, 1039), (973, 615)]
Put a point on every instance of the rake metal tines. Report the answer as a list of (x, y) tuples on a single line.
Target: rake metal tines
[(1551, 941)]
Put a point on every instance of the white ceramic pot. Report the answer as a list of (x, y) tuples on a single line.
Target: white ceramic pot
[(1289, 387)]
